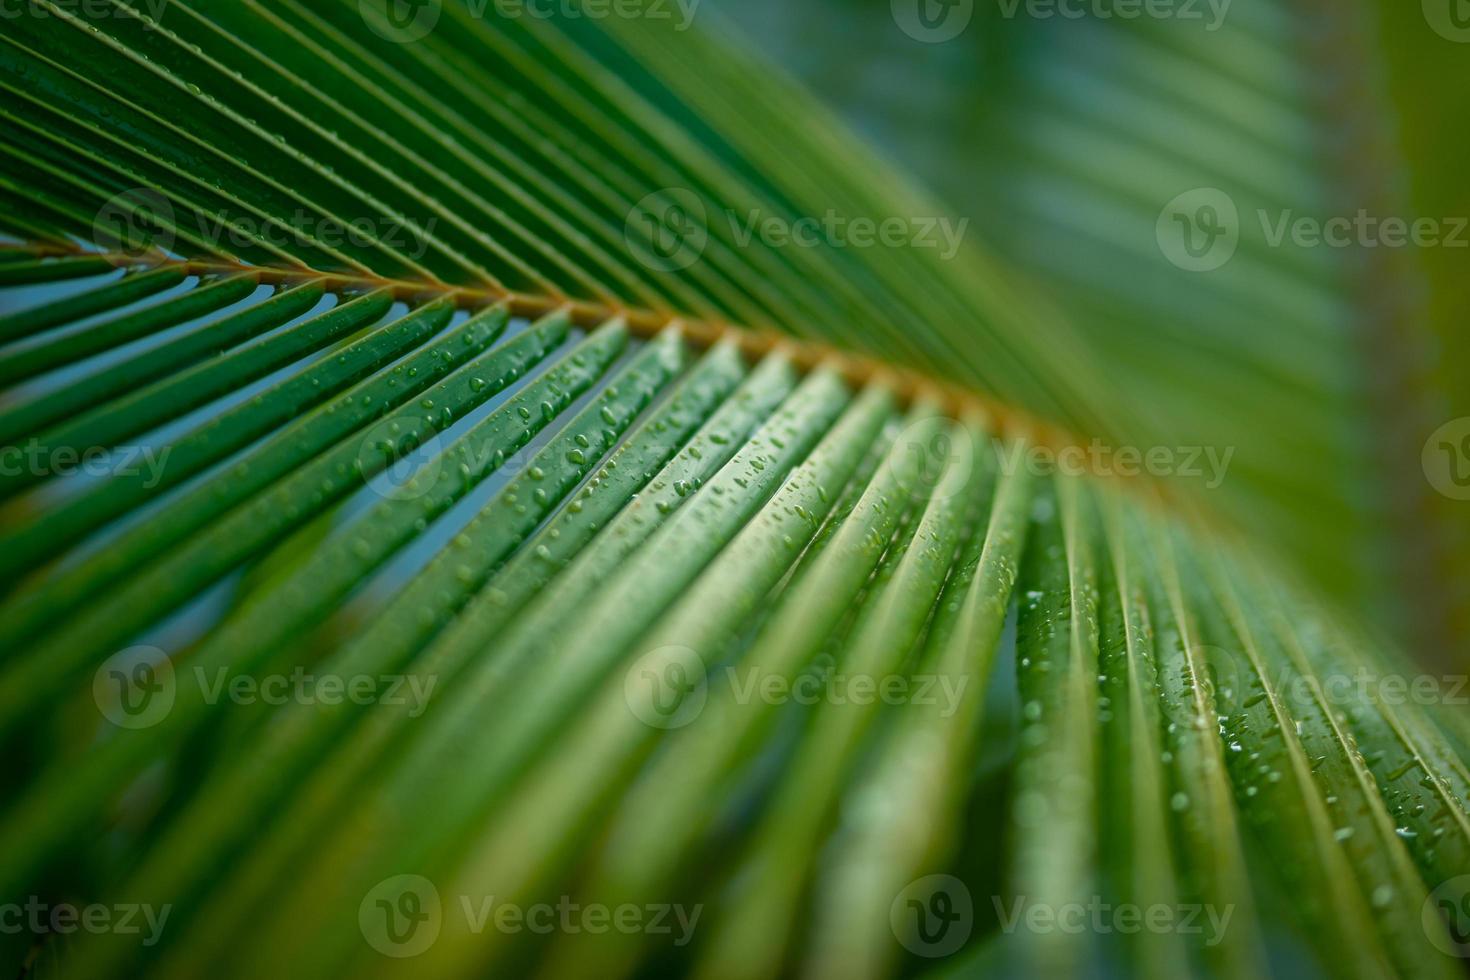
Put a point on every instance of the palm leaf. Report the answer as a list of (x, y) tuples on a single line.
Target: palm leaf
[(385, 369)]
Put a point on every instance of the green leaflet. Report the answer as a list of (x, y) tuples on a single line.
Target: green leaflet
[(1211, 853), (352, 554), (116, 379), (1349, 799), (227, 814), (1136, 825), (923, 766), (753, 935), (522, 852), (1272, 773), (665, 812), (1056, 798), (447, 797), (50, 270), (294, 445), (47, 356), (131, 287), (532, 569)]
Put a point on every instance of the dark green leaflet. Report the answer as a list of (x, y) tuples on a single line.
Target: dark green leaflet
[(1388, 882), (529, 711), (1211, 852), (1278, 795), (1136, 828), (521, 851), (899, 830), (65, 796), (96, 389), (1055, 803), (518, 581), (292, 447), (131, 287), (205, 298), (51, 270), (228, 812), (664, 812), (755, 932), (218, 437)]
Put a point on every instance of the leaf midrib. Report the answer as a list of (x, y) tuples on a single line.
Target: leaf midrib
[(908, 384)]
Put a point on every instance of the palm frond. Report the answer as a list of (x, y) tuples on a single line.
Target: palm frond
[(343, 352)]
